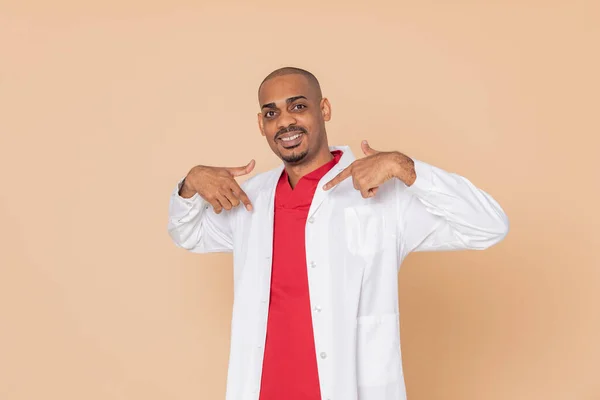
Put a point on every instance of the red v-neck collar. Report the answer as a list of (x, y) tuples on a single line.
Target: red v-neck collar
[(315, 175), (304, 191)]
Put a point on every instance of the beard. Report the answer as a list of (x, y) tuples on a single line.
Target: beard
[(295, 157)]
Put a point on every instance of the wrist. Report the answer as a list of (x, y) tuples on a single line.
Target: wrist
[(404, 168), (185, 191)]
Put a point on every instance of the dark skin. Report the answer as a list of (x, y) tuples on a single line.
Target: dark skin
[(377, 167), (291, 105), (290, 102), (292, 108)]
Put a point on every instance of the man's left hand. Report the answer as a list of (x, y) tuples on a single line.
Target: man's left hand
[(377, 167)]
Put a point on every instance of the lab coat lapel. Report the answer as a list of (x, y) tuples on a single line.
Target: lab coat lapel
[(320, 194), (268, 228)]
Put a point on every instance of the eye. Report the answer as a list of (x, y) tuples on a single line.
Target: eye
[(269, 114), (298, 107)]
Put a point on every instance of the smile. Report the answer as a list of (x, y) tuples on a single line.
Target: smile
[(289, 142), (290, 138)]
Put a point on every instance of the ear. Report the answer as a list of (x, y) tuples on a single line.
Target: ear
[(260, 124), (325, 109)]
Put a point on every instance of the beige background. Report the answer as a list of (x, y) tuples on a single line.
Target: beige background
[(104, 105)]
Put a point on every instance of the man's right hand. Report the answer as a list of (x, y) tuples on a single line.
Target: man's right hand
[(217, 185)]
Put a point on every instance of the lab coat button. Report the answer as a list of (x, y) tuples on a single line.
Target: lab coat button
[(323, 355), (311, 220), (317, 308), (313, 264)]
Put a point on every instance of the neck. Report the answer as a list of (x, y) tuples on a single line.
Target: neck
[(295, 172)]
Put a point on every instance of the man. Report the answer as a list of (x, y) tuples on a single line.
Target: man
[(317, 244)]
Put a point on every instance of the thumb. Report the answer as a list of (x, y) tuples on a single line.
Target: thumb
[(239, 171), (367, 149)]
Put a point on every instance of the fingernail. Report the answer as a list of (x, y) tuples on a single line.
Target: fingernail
[(249, 207)]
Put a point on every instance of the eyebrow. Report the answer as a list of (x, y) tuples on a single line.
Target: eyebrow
[(287, 101)]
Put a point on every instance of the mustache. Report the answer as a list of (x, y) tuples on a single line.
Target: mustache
[(292, 128)]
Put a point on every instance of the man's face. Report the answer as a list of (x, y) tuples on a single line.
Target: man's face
[(292, 117)]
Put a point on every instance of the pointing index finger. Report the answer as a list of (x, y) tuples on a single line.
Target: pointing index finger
[(338, 178)]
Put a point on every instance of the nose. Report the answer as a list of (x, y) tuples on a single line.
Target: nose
[(285, 120)]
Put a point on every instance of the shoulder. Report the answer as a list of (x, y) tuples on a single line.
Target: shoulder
[(255, 188)]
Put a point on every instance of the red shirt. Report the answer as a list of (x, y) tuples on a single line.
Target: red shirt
[(290, 362)]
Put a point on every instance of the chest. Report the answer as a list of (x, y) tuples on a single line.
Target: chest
[(343, 226)]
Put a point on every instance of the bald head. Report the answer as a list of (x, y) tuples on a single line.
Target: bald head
[(312, 80)]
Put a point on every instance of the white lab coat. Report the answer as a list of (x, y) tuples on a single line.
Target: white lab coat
[(354, 248)]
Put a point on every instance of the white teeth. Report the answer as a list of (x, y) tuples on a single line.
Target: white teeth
[(291, 138)]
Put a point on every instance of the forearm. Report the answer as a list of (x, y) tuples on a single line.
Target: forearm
[(451, 212), (194, 226)]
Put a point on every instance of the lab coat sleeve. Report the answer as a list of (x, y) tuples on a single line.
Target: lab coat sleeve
[(445, 211), (194, 226)]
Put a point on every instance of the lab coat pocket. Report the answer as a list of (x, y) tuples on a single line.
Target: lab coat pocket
[(378, 350), (364, 230)]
